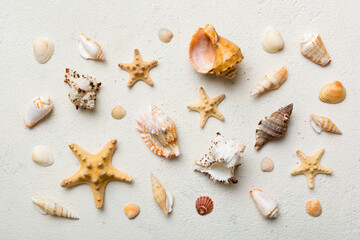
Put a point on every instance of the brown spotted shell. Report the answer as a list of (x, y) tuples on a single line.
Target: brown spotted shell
[(204, 205)]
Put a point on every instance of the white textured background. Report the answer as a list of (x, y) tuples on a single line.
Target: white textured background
[(121, 26)]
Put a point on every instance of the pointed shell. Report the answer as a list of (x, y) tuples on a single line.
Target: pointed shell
[(271, 81), (165, 35), (38, 109), (118, 112), (332, 93), (43, 49), (163, 199), (314, 49), (267, 165), (42, 156), (320, 123), (131, 210), (265, 203), (272, 41), (90, 49), (204, 205), (313, 208), (48, 206)]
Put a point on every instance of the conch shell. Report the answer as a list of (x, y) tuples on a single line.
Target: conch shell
[(90, 49), (320, 123), (221, 161), (159, 132), (332, 93), (271, 81), (48, 206), (314, 49), (161, 197), (38, 109), (43, 50), (210, 53), (273, 126), (266, 204)]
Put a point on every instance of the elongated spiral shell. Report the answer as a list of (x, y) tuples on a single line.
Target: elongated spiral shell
[(204, 205), (271, 81), (164, 200), (48, 206), (320, 123)]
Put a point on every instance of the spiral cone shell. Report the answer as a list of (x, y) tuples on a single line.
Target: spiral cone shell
[(48, 206), (38, 109), (164, 200), (271, 81), (320, 123), (266, 204), (314, 49)]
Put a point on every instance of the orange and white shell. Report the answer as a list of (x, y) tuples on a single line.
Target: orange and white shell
[(271, 81), (314, 49), (131, 210), (43, 49), (320, 123), (266, 204), (161, 197), (90, 49), (48, 206), (39, 108), (332, 93), (313, 208), (159, 132), (211, 53)]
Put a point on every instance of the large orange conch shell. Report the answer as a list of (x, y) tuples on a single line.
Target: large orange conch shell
[(210, 53)]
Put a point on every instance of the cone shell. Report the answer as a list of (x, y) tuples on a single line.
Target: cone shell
[(314, 49), (313, 208), (131, 210), (320, 123), (38, 109), (272, 41), (48, 206), (266, 204), (210, 53), (42, 156), (204, 205), (164, 200), (271, 81), (90, 49), (43, 50), (274, 126), (332, 93)]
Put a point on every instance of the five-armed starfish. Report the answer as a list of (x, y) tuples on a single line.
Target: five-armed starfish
[(207, 107), (96, 171), (138, 69), (310, 166)]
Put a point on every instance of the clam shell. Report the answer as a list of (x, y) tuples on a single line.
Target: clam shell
[(320, 123), (314, 49), (332, 93), (131, 210), (118, 112), (90, 49), (313, 208), (43, 49), (266, 204), (48, 206), (38, 109), (272, 41), (267, 165), (271, 81), (165, 35), (161, 197), (42, 156), (204, 205)]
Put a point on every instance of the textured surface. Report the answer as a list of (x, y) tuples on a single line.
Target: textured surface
[(121, 27)]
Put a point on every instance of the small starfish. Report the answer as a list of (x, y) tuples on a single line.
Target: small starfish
[(138, 69), (310, 166), (96, 171), (207, 107)]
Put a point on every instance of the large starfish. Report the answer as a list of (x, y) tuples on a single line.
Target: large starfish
[(207, 107), (138, 69), (96, 171), (310, 166)]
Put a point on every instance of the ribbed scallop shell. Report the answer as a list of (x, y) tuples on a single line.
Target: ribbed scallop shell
[(313, 208), (90, 49), (48, 206), (38, 109), (320, 123), (332, 93), (43, 49), (210, 53), (163, 199), (131, 210), (314, 49), (204, 205), (274, 126), (272, 41), (159, 132), (265, 203), (271, 81)]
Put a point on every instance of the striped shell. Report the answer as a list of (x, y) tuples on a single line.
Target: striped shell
[(314, 49), (38, 109), (90, 49), (210, 53), (271, 81), (204, 205), (163, 199), (332, 93), (159, 132), (273, 126), (48, 206), (313, 208), (131, 210), (320, 123), (265, 203), (43, 50)]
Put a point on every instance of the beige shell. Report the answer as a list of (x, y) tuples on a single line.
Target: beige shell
[(314, 49), (271, 81), (204, 205), (118, 112), (320, 123), (165, 35), (313, 208), (272, 41), (265, 203), (90, 49), (163, 199), (42, 156), (267, 165), (332, 93), (43, 50), (48, 206), (37, 110), (131, 210)]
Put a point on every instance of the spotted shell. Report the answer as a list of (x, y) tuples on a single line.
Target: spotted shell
[(204, 205), (313, 208), (320, 123), (332, 93), (131, 210), (314, 49)]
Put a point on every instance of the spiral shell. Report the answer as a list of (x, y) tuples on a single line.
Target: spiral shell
[(265, 203), (163, 199), (271, 81), (314, 49), (38, 109), (320, 123), (90, 49), (43, 50), (313, 208), (332, 93), (272, 41), (204, 205), (48, 206)]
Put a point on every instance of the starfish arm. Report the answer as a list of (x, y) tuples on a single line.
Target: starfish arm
[(310, 179), (203, 94), (218, 99), (301, 155), (120, 176), (195, 107), (132, 81), (80, 153), (318, 155), (148, 80), (150, 64), (74, 180), (299, 170), (99, 193), (218, 115), (324, 170), (203, 119), (125, 66), (137, 55), (108, 151)]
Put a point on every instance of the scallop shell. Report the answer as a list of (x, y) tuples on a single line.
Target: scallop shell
[(165, 35), (90, 49), (42, 156), (162, 198), (266, 204), (131, 210), (332, 93), (272, 41), (221, 161), (271, 81), (38, 109), (159, 132), (118, 112), (313, 208), (204, 205), (43, 50), (320, 123), (314, 49), (274, 126), (48, 206), (210, 53), (267, 165)]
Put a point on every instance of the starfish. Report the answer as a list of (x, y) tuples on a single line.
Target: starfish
[(207, 107), (310, 166), (96, 171), (138, 69)]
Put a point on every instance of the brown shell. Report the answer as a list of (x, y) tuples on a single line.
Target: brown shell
[(332, 93), (204, 205)]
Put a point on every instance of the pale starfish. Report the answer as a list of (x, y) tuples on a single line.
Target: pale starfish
[(96, 170), (207, 107), (310, 166), (138, 69)]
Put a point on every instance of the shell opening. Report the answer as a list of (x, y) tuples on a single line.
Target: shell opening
[(202, 52)]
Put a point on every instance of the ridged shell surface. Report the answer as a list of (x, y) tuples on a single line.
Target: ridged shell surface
[(313, 208), (42, 156), (38, 109), (43, 50), (314, 49), (48, 206), (90, 49), (204, 205), (320, 123), (131, 210), (163, 199), (332, 93), (272, 41), (271, 81), (266, 204)]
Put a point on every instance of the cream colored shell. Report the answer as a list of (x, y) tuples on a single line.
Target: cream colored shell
[(43, 49), (272, 40), (42, 156), (267, 165), (118, 112), (165, 35)]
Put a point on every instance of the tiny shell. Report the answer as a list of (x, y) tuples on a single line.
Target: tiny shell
[(165, 35), (332, 93), (43, 49), (314, 49), (162, 198), (131, 210), (265, 203), (272, 41), (118, 112), (267, 165), (320, 123), (48, 206), (42, 156), (271, 81), (90, 49), (38, 109), (204, 205), (313, 208)]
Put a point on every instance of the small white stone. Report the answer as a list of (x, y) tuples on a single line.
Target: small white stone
[(267, 165)]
